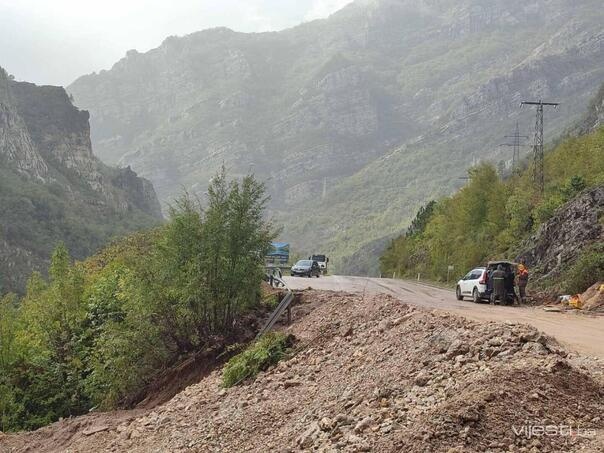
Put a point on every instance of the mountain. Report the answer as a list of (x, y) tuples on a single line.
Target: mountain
[(594, 118), (52, 187), (356, 120)]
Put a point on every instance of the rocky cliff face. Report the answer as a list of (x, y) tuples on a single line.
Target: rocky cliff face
[(16, 145), (389, 100), (53, 188), (594, 118), (560, 241)]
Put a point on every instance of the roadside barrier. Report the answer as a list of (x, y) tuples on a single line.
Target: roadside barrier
[(283, 305)]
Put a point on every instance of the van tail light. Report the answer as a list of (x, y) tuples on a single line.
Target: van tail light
[(485, 277)]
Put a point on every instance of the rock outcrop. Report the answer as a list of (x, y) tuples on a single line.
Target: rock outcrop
[(391, 100), (53, 188), (560, 241)]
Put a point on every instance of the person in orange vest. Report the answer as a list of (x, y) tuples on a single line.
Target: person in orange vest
[(523, 276)]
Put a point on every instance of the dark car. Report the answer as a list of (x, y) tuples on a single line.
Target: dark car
[(510, 275), (306, 268)]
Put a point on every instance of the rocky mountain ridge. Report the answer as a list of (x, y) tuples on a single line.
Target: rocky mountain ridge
[(51, 181), (389, 100)]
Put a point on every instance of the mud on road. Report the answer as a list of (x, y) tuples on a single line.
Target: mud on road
[(575, 331)]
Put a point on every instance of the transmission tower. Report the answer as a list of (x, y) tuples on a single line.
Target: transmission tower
[(516, 138), (538, 170)]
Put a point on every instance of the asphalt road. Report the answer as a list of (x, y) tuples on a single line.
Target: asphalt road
[(576, 331)]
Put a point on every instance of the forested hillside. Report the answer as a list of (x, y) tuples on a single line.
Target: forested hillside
[(52, 187), (95, 333), (355, 121), (492, 217)]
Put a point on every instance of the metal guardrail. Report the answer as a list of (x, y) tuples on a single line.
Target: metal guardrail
[(283, 305)]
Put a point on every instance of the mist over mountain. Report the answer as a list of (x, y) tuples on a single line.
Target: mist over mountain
[(53, 189), (355, 120)]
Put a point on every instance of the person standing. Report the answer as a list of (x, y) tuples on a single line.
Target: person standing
[(523, 277), (510, 284), (499, 285)]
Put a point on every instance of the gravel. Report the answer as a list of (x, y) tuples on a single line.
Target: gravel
[(369, 374)]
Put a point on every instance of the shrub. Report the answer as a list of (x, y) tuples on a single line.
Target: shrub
[(270, 301), (267, 351), (545, 210), (587, 270), (96, 333)]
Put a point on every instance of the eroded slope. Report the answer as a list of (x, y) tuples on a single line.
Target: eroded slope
[(369, 374)]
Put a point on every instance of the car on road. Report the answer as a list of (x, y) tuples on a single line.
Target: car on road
[(478, 285), (322, 260), (306, 268), (474, 285)]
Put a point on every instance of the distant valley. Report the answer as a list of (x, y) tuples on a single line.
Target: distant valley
[(354, 121)]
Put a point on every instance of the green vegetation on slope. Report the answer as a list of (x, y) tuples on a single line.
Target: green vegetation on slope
[(490, 217), (267, 351), (37, 216), (97, 332)]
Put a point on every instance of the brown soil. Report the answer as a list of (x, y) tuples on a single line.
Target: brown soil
[(593, 298), (369, 373)]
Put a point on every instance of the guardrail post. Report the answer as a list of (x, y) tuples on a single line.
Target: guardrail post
[(284, 305)]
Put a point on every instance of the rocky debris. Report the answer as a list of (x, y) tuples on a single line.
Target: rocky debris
[(593, 298), (421, 379), (429, 381), (346, 331), (95, 429), (559, 241)]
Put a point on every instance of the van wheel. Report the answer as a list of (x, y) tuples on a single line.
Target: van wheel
[(458, 294), (476, 296)]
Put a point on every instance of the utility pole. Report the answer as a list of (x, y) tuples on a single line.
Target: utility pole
[(516, 145), (324, 188), (538, 170)]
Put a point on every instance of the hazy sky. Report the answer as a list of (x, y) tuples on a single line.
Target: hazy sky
[(55, 41)]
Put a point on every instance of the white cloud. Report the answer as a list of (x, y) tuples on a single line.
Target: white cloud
[(56, 41)]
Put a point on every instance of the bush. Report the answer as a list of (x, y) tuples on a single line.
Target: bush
[(267, 351), (271, 301), (587, 270), (95, 333)]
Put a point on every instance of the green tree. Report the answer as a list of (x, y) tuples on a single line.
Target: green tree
[(8, 357)]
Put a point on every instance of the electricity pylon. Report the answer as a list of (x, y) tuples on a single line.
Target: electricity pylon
[(538, 166), (516, 145)]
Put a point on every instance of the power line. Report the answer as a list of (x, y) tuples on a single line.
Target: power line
[(516, 145), (538, 158)]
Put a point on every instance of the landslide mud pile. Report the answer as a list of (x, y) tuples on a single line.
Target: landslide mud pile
[(593, 298), (371, 374)]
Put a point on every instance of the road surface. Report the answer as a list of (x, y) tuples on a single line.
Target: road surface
[(577, 332)]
